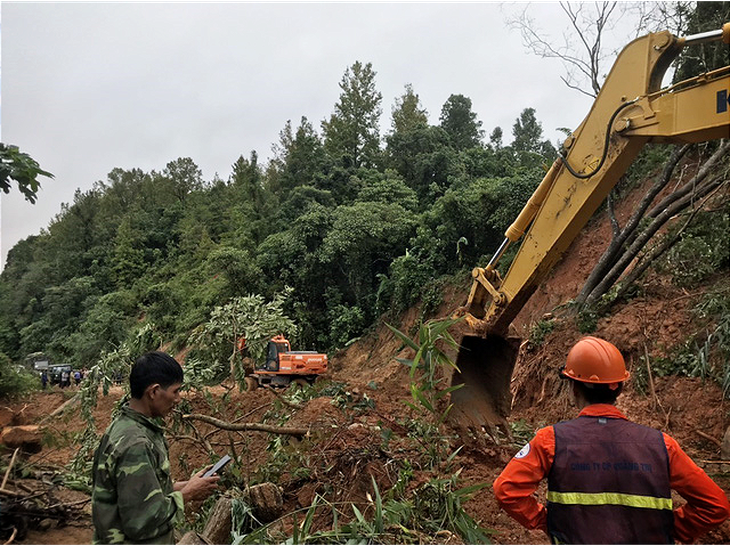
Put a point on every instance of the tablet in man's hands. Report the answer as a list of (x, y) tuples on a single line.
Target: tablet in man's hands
[(217, 467)]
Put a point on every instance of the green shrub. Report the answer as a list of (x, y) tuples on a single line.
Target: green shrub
[(15, 380), (702, 249), (541, 329)]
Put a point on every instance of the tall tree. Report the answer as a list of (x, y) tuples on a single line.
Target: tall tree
[(184, 176), (460, 123), (352, 134), (407, 113), (527, 133), (246, 175), (299, 156)]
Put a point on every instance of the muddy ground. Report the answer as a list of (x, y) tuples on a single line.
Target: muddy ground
[(349, 444)]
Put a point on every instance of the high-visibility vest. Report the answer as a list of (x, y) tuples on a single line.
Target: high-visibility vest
[(609, 484)]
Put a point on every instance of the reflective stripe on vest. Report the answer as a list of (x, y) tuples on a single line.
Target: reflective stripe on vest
[(620, 499), (609, 484)]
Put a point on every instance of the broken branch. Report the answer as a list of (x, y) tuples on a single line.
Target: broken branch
[(708, 437), (259, 427)]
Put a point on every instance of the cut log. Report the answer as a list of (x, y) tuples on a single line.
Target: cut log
[(266, 501), (27, 437), (218, 528), (60, 409)]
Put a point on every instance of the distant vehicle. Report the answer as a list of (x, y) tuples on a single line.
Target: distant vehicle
[(55, 371), (37, 361), (284, 367)]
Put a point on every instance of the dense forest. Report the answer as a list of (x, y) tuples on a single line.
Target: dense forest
[(343, 225)]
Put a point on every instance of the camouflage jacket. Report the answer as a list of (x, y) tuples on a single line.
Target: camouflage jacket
[(132, 498)]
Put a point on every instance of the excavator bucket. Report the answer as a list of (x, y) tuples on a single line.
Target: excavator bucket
[(485, 366)]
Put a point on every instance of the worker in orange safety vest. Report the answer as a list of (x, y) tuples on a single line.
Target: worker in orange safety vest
[(609, 480)]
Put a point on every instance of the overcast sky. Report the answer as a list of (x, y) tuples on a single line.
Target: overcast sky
[(87, 87)]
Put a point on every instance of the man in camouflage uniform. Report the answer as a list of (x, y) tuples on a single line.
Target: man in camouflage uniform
[(134, 499)]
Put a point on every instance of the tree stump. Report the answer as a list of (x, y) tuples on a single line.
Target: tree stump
[(218, 528)]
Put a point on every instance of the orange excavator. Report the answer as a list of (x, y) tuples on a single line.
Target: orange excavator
[(630, 111), (284, 367)]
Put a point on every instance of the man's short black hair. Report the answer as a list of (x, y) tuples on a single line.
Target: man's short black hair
[(151, 368), (596, 393)]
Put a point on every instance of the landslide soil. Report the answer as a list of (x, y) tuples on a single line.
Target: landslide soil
[(691, 410)]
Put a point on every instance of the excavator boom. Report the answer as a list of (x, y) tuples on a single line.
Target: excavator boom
[(630, 111)]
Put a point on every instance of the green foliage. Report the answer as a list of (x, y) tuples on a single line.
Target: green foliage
[(704, 354), (435, 509), (346, 324), (703, 248), (428, 393), (460, 123), (215, 343), (407, 112), (351, 135), (712, 354), (587, 321), (650, 160), (541, 329), (408, 278), (22, 169), (15, 380)]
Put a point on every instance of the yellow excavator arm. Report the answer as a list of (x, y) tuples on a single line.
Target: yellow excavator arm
[(630, 111)]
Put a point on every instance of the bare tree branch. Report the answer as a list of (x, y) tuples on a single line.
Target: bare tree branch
[(627, 257), (611, 253), (260, 427), (659, 249)]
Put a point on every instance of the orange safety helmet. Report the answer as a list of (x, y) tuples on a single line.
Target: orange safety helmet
[(595, 360)]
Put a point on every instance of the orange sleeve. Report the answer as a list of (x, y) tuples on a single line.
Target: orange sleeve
[(707, 505), (516, 485)]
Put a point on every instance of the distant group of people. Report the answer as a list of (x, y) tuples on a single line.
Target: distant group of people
[(64, 379)]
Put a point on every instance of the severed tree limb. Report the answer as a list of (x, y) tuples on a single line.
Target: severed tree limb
[(615, 228), (10, 467), (708, 437), (12, 536), (291, 431), (708, 166)]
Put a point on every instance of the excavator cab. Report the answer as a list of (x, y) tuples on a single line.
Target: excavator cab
[(276, 345), (630, 111)]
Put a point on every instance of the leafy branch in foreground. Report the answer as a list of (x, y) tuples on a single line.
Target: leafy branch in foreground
[(23, 169)]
